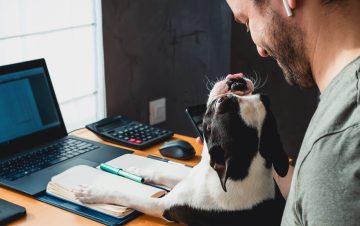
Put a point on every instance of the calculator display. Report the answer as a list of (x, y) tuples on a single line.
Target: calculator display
[(111, 125)]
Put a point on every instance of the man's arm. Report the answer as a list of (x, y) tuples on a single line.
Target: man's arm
[(284, 182)]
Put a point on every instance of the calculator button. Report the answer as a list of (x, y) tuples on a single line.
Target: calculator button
[(134, 134)]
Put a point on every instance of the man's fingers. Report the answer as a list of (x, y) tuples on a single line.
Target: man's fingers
[(198, 140), (235, 76)]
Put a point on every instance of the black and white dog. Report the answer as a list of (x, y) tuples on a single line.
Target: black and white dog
[(233, 183)]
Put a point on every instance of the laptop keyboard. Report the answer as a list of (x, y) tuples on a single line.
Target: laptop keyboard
[(43, 158)]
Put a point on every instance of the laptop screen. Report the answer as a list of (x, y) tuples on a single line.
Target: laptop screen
[(26, 105), (29, 112)]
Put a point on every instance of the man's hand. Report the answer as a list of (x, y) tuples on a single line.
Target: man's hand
[(199, 141)]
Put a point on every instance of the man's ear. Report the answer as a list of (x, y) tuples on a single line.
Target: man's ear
[(292, 3), (271, 147)]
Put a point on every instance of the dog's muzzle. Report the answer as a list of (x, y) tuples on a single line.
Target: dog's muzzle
[(237, 85)]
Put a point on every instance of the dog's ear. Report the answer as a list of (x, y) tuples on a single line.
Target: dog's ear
[(271, 147), (220, 165), (222, 171)]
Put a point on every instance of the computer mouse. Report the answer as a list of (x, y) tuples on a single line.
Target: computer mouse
[(178, 149)]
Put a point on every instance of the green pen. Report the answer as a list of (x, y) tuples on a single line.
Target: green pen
[(121, 172)]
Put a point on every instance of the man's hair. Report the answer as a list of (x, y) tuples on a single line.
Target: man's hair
[(327, 2), (323, 2)]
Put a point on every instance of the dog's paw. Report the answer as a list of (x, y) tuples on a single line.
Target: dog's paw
[(91, 194), (148, 175)]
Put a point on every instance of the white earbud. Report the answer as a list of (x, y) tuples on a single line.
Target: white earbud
[(287, 8)]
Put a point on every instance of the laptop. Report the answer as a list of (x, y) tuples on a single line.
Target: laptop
[(34, 144)]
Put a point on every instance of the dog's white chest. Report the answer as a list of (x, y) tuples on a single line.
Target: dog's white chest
[(202, 188)]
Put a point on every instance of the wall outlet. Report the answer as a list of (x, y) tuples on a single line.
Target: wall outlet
[(157, 110)]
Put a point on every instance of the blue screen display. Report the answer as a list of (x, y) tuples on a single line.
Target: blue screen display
[(26, 104)]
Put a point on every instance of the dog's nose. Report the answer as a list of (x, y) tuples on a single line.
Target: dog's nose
[(238, 84)]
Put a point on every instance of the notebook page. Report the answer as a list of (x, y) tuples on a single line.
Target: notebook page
[(62, 184), (87, 175)]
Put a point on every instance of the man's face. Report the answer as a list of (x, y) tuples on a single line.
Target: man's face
[(277, 36)]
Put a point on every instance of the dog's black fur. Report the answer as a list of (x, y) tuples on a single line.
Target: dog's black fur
[(271, 147), (232, 146), (268, 212), (229, 140)]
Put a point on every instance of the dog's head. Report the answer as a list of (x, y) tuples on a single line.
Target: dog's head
[(236, 128), (237, 84)]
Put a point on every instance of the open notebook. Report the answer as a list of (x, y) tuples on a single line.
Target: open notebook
[(62, 184)]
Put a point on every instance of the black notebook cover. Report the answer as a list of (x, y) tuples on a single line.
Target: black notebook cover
[(86, 212)]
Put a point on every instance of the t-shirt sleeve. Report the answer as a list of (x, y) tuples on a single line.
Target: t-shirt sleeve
[(329, 181)]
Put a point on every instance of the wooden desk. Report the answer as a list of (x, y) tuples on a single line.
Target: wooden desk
[(39, 213)]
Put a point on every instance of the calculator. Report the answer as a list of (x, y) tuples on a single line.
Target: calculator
[(127, 132)]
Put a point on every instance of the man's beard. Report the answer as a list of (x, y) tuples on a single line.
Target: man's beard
[(288, 49)]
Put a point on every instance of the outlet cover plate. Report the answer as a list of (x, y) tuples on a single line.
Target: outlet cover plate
[(157, 111)]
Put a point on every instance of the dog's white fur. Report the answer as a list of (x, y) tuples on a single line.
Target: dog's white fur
[(207, 193), (201, 188)]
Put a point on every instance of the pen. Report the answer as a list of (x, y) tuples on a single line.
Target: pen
[(166, 160), (121, 172)]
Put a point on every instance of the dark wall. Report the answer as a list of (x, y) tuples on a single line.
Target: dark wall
[(162, 48)]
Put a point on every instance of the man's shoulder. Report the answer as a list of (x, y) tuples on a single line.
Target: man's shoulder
[(335, 149)]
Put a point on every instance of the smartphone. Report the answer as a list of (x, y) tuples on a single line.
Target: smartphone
[(10, 212), (196, 114)]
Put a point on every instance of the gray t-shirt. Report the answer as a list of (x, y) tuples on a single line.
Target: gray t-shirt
[(325, 189)]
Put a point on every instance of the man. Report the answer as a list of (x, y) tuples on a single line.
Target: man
[(318, 45)]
